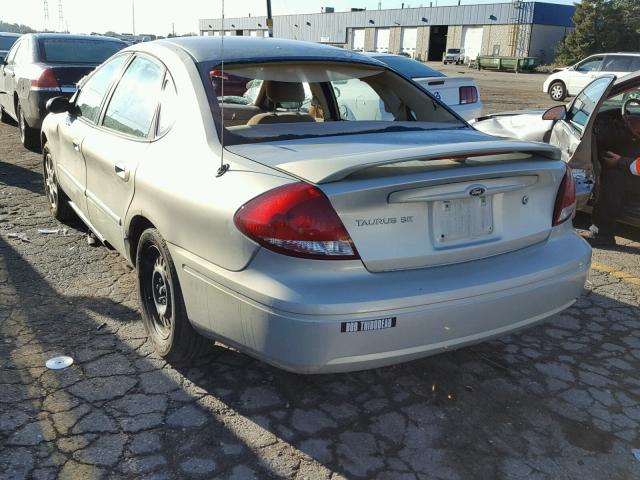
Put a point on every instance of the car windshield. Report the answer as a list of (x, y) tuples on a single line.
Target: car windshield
[(7, 42), (73, 50), (281, 101), (408, 67), (453, 50), (617, 101)]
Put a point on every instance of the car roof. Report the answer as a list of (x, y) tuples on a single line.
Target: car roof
[(255, 49), (99, 38)]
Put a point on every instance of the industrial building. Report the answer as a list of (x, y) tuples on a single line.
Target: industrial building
[(518, 28)]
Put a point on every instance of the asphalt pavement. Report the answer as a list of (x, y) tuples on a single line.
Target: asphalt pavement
[(558, 401)]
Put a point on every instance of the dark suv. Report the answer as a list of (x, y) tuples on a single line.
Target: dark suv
[(42, 66)]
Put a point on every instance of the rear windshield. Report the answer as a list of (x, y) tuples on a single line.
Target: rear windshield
[(264, 102), (7, 42), (408, 67), (69, 50), (453, 50)]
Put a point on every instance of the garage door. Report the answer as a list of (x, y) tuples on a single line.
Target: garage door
[(409, 40), (382, 40), (358, 39), (472, 41)]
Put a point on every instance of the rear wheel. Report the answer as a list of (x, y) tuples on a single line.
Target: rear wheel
[(163, 311), (558, 91), (28, 135), (56, 198)]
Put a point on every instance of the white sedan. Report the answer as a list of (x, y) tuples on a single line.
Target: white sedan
[(461, 94)]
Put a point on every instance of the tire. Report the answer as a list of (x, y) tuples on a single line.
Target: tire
[(163, 311), (557, 91), (57, 200), (28, 136)]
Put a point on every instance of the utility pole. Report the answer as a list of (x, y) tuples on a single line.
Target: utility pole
[(269, 19), (46, 15), (133, 16)]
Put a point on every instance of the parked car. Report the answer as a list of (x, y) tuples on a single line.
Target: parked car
[(571, 80), (307, 240), (459, 93), (598, 119), (42, 66), (7, 40), (454, 55)]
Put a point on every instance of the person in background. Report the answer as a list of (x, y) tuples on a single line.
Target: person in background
[(620, 173)]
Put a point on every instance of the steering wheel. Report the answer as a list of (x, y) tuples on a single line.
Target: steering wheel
[(632, 119)]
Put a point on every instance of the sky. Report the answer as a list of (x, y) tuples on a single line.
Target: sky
[(159, 16)]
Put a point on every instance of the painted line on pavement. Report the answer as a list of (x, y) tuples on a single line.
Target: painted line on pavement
[(614, 272)]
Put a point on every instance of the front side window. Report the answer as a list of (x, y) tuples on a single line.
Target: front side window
[(93, 90), (590, 64), (133, 104), (586, 102), (279, 100)]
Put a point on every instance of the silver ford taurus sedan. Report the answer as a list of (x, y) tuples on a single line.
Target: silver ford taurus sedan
[(266, 205)]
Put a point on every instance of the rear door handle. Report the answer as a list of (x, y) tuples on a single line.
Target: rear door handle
[(76, 145), (122, 171)]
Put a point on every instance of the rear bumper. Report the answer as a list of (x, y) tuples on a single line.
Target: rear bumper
[(35, 106), (293, 317)]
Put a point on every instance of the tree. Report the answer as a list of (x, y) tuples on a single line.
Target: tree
[(601, 26), (15, 28)]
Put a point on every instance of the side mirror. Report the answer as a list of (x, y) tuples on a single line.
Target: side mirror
[(555, 113), (59, 105)]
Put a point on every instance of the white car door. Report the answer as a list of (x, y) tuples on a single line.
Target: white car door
[(583, 73)]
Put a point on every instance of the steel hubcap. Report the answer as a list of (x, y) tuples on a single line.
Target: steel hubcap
[(51, 185), (161, 292), (556, 91)]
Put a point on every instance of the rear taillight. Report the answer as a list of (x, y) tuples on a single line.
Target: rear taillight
[(218, 74), (468, 95), (46, 81), (566, 199), (298, 220)]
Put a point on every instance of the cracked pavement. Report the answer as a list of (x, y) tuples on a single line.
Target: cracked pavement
[(560, 401)]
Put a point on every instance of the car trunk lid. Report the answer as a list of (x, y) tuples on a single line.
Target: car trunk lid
[(424, 204)]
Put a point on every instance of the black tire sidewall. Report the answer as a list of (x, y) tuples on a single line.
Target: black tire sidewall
[(152, 237)]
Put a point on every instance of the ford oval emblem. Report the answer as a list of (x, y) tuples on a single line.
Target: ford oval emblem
[(477, 191)]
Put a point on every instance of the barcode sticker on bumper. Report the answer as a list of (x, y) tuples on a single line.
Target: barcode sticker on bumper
[(368, 325)]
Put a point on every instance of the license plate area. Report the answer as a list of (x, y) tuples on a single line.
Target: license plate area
[(461, 221)]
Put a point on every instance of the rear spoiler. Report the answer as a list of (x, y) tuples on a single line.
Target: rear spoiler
[(325, 170)]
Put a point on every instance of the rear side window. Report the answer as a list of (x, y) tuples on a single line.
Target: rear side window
[(617, 63), (168, 106), (71, 50), (24, 54), (93, 90), (133, 104)]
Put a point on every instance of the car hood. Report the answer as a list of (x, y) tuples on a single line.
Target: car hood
[(328, 159)]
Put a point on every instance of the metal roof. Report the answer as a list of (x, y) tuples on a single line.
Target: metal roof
[(256, 49)]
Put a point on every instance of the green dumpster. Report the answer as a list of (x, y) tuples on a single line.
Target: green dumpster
[(511, 64)]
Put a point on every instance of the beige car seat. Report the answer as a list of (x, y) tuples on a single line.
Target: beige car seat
[(281, 94)]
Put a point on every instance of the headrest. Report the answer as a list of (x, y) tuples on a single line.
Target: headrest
[(284, 92)]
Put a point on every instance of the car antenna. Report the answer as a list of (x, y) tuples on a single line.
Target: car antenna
[(223, 166)]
